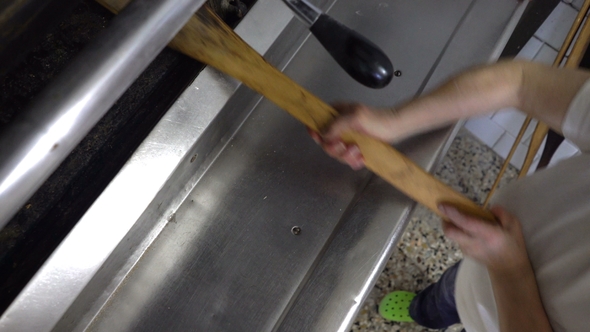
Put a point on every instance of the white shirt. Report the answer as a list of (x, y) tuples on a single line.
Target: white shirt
[(553, 207)]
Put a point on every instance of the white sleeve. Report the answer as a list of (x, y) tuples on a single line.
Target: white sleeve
[(576, 125)]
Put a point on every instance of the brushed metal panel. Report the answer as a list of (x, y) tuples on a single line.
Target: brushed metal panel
[(363, 241), (361, 245), (477, 39), (70, 270), (365, 238), (202, 215), (232, 262), (227, 260)]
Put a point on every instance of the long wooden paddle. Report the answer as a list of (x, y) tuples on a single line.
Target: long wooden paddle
[(573, 61), (207, 39), (542, 129)]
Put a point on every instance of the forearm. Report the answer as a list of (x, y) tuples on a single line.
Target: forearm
[(472, 93), (547, 92), (518, 301), (502, 249), (541, 91)]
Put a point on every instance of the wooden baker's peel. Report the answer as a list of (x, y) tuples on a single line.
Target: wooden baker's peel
[(206, 38), (582, 40)]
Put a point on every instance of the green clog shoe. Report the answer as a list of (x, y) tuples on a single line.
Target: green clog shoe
[(395, 306)]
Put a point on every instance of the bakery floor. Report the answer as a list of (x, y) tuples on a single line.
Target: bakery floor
[(423, 253)]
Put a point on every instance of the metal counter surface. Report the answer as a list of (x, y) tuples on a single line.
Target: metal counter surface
[(196, 231)]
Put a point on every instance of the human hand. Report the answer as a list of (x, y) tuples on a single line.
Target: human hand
[(500, 247), (377, 123)]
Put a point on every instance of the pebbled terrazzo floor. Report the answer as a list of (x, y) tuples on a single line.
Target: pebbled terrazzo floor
[(470, 167)]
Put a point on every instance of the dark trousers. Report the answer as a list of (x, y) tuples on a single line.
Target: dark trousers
[(435, 307)]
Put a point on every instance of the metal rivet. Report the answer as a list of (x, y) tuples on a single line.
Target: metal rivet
[(397, 73), (296, 230)]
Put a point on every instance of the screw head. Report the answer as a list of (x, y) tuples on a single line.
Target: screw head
[(296, 230)]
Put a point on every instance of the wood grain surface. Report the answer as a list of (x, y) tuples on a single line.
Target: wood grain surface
[(541, 129), (573, 61), (207, 39)]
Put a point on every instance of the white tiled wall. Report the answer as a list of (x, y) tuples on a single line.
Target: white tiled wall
[(557, 25), (575, 3), (499, 130)]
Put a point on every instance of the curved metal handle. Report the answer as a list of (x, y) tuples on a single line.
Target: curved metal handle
[(358, 56), (304, 11)]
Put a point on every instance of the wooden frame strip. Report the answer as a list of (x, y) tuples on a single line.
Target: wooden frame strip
[(541, 129)]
